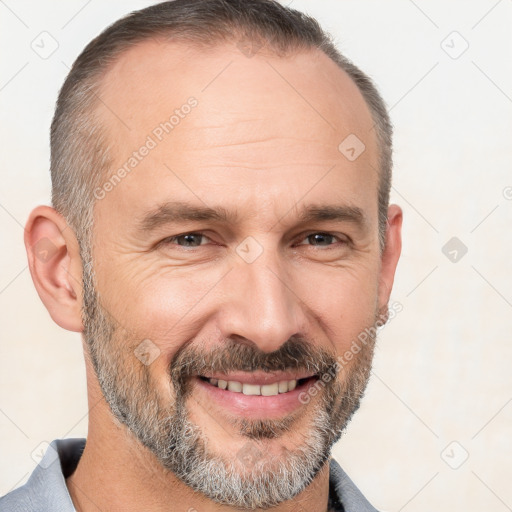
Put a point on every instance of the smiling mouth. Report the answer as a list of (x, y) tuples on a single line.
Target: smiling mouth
[(253, 389)]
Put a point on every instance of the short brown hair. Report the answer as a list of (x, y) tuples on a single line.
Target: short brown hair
[(79, 145)]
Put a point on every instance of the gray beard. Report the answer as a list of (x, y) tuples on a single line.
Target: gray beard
[(250, 479)]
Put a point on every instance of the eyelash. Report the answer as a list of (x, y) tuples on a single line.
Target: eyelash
[(170, 240)]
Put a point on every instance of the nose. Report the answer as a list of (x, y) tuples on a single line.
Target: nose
[(260, 304)]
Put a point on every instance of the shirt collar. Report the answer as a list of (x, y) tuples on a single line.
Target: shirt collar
[(47, 484)]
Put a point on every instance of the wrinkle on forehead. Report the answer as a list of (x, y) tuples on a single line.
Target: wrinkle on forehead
[(305, 95), (256, 135)]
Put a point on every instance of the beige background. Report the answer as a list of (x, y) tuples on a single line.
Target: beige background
[(442, 370)]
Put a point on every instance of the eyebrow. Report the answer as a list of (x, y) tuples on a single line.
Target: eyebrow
[(178, 211), (339, 213)]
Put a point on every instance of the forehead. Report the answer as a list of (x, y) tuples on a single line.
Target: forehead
[(262, 123), (153, 77)]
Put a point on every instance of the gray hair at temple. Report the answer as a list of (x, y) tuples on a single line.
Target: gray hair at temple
[(80, 156)]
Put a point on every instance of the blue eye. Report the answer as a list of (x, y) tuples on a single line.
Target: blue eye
[(321, 239), (192, 240), (187, 239)]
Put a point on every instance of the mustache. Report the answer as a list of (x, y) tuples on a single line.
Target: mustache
[(295, 354)]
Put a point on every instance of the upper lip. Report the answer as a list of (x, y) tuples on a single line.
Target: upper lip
[(258, 377)]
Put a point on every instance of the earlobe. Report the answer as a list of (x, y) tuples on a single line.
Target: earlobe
[(390, 254), (55, 266)]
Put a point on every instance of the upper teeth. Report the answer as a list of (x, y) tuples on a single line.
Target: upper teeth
[(255, 389)]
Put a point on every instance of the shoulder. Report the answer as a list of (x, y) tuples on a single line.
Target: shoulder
[(46, 488), (346, 491)]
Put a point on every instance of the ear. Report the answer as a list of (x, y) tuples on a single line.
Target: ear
[(389, 257), (55, 265)]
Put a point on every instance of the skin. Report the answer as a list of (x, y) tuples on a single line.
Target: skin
[(262, 141)]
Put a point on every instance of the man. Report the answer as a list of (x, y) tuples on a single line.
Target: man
[(221, 235)]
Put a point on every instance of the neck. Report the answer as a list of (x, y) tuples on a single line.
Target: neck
[(116, 472)]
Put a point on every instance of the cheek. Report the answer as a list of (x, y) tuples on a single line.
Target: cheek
[(345, 301), (164, 305), (170, 306)]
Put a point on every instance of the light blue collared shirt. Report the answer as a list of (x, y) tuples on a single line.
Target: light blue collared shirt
[(46, 490)]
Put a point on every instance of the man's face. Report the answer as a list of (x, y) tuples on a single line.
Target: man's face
[(265, 294)]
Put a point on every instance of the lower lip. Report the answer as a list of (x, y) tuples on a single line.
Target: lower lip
[(255, 406)]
